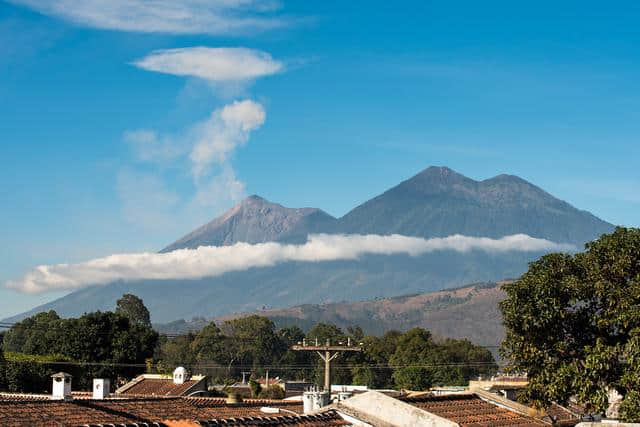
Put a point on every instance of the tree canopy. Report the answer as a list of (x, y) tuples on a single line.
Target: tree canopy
[(122, 341), (109, 338), (132, 307), (573, 325)]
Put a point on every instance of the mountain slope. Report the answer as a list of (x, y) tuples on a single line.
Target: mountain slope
[(439, 202), (436, 202), (255, 220), (468, 312)]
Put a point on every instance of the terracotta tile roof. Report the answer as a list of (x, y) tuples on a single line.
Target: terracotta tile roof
[(158, 387), (248, 407), (54, 413), (23, 396), (560, 413), (324, 419), (468, 410), (159, 411)]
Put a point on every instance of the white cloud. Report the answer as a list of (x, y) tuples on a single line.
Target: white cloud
[(207, 146), (166, 16), (220, 64), (209, 261), (226, 129), (210, 142)]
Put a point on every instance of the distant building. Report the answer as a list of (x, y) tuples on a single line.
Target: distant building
[(178, 384), (507, 385)]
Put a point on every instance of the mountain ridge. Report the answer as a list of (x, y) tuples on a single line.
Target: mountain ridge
[(469, 312), (253, 220), (436, 202)]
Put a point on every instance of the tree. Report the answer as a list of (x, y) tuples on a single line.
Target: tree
[(253, 341), (255, 388), (3, 371), (290, 336), (573, 324), (323, 332), (104, 337), (34, 335), (132, 307), (414, 349), (209, 345), (377, 352)]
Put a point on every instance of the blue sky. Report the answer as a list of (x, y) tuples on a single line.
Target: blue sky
[(365, 94)]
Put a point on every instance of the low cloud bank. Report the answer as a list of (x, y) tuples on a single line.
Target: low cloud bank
[(209, 261)]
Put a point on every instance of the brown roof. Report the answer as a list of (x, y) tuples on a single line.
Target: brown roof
[(468, 410), (247, 405), (23, 396), (158, 387), (54, 413), (324, 419), (561, 413), (15, 412)]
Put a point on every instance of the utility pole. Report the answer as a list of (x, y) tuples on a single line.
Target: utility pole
[(327, 353)]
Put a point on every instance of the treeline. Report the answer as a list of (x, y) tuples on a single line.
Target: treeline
[(411, 360), (95, 345)]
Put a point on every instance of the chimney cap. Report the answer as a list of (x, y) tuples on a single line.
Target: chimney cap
[(61, 375)]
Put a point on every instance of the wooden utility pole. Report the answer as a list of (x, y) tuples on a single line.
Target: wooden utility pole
[(327, 353)]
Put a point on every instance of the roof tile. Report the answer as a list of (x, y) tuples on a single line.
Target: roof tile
[(468, 410)]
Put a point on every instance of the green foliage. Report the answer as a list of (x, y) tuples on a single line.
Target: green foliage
[(254, 342), (255, 388), (3, 371), (413, 378), (105, 337), (573, 324), (414, 347), (34, 335), (209, 345), (29, 373), (174, 352), (132, 307), (630, 407), (250, 343), (272, 392), (326, 331), (423, 363)]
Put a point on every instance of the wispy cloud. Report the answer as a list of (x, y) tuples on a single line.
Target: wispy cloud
[(208, 147), (216, 64), (218, 17), (208, 143), (226, 129), (210, 261)]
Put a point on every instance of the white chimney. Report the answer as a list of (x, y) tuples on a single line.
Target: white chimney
[(314, 400), (180, 375), (61, 386), (101, 388)]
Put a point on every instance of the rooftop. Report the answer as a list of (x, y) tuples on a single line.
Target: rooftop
[(470, 410), (160, 385), (44, 412)]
